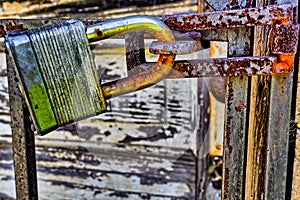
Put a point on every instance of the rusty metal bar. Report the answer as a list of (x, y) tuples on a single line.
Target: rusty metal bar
[(267, 15), (22, 141), (238, 66)]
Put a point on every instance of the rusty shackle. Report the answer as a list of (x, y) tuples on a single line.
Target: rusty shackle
[(144, 79)]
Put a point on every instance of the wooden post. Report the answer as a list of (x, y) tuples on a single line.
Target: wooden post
[(269, 121)]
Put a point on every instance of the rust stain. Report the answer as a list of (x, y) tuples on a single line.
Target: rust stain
[(228, 125), (10, 26), (2, 31), (226, 183), (237, 66), (98, 32), (284, 39), (284, 64)]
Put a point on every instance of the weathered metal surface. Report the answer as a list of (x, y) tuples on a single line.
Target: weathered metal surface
[(234, 138), (266, 15), (135, 51), (179, 47), (143, 138), (224, 67), (57, 75), (236, 103), (295, 185), (278, 137), (134, 139), (22, 140), (239, 39), (141, 80), (284, 39)]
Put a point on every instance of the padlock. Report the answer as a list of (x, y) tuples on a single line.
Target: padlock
[(58, 76)]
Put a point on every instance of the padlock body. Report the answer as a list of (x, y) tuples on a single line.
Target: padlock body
[(58, 75)]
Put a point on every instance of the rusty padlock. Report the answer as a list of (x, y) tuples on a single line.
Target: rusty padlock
[(57, 71)]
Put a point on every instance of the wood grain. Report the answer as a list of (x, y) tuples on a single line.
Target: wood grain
[(296, 172), (268, 137), (90, 8)]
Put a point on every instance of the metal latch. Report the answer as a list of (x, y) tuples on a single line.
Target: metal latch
[(57, 72), (32, 49), (214, 25)]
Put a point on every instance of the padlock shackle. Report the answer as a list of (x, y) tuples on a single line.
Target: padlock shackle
[(144, 79)]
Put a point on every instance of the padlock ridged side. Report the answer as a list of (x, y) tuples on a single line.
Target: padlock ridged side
[(68, 69), (90, 71)]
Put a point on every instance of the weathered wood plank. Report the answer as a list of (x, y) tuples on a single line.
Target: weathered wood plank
[(7, 178), (116, 171), (89, 9), (4, 103), (258, 119), (256, 153), (296, 171), (269, 127), (295, 193)]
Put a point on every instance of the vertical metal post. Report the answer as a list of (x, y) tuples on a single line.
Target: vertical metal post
[(234, 142), (22, 141), (202, 140)]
